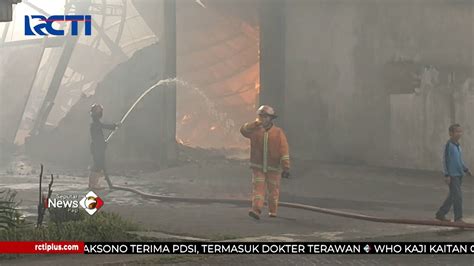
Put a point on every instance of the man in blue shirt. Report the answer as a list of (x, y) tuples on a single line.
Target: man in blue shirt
[(454, 169)]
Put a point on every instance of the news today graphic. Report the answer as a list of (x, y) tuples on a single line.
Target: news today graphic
[(91, 203), (237, 132)]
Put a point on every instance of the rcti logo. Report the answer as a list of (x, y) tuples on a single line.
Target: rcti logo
[(45, 25), (91, 202)]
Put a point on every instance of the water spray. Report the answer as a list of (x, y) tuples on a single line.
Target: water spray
[(228, 124), (160, 83)]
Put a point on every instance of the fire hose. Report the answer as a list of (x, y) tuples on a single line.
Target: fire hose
[(282, 204), (301, 207)]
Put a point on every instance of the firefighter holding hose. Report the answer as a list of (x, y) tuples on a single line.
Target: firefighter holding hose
[(98, 145), (269, 160)]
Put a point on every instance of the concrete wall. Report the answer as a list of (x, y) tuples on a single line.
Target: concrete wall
[(418, 130), (464, 114), (340, 75)]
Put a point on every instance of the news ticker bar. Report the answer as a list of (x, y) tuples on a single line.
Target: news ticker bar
[(49, 247)]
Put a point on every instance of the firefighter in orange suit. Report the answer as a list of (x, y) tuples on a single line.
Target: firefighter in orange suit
[(269, 160)]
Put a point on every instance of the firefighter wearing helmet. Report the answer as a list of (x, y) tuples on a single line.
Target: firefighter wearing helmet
[(269, 160), (98, 145)]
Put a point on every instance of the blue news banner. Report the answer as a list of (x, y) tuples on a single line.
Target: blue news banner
[(279, 248)]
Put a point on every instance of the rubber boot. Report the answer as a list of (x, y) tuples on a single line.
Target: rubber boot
[(254, 214)]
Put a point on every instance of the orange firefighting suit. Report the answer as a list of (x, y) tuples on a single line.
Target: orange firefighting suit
[(269, 155)]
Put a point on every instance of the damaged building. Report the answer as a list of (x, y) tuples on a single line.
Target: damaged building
[(366, 81), (381, 87), (215, 60)]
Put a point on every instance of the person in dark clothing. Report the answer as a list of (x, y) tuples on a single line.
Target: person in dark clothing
[(454, 170), (98, 145)]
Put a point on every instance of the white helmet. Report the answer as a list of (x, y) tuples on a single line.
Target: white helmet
[(266, 110)]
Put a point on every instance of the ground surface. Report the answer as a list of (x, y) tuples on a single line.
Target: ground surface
[(360, 189)]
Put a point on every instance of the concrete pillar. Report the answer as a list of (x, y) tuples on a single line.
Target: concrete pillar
[(272, 55), (169, 94)]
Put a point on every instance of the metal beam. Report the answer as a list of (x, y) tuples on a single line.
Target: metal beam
[(114, 47), (38, 9), (33, 80), (58, 75)]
